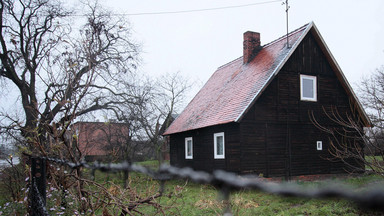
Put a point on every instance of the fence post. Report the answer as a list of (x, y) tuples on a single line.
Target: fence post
[(38, 177), (126, 181)]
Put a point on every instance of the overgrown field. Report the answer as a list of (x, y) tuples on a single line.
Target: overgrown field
[(181, 197)]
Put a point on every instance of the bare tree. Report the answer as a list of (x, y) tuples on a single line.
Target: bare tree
[(372, 97), (63, 66), (371, 92), (102, 140), (129, 114), (61, 73), (113, 141), (346, 138), (360, 148), (167, 98)]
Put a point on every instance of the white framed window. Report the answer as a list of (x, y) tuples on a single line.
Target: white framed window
[(308, 88), (188, 148), (219, 145), (319, 145)]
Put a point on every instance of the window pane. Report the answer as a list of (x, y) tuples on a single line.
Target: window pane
[(219, 147), (189, 147), (308, 88)]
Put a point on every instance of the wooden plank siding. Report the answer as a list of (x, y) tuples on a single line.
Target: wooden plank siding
[(276, 136), (203, 155)]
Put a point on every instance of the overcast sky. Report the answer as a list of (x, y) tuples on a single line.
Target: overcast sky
[(197, 43)]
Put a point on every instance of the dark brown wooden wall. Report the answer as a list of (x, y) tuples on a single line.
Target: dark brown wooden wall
[(203, 156), (277, 135)]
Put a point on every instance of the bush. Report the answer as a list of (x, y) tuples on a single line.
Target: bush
[(13, 190), (12, 181)]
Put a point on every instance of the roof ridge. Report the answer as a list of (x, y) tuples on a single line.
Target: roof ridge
[(267, 44), (289, 34), (305, 28), (230, 62)]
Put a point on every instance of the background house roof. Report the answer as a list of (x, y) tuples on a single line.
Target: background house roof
[(235, 86)]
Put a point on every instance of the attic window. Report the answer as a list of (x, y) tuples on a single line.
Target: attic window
[(219, 147), (188, 148), (308, 89)]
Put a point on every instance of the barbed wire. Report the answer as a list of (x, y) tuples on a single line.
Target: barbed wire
[(371, 197)]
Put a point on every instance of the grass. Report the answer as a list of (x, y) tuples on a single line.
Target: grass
[(376, 162), (188, 198), (183, 197), (371, 158), (150, 163), (194, 199)]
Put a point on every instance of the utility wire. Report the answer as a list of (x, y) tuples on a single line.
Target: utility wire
[(194, 10)]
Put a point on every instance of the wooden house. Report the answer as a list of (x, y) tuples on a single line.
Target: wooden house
[(253, 114)]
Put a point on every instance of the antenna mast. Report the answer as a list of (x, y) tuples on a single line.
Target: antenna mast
[(286, 11)]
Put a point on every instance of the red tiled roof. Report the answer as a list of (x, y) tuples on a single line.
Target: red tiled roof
[(234, 87)]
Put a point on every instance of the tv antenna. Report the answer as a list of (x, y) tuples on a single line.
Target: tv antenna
[(286, 11)]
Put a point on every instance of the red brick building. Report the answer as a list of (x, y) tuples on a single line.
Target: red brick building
[(100, 139)]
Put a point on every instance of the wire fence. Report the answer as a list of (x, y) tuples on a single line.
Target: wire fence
[(371, 198)]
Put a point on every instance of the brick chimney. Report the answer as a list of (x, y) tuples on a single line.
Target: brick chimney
[(251, 45)]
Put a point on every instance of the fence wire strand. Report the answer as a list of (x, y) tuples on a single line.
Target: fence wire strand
[(371, 198)]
